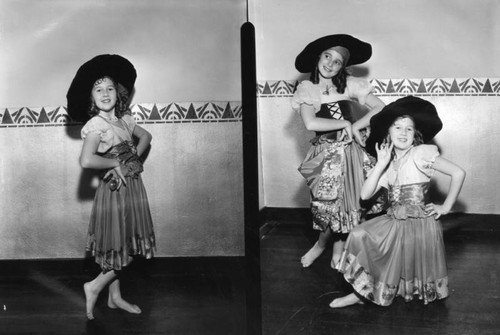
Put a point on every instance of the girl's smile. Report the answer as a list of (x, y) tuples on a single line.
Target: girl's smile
[(402, 133), (330, 63), (104, 94)]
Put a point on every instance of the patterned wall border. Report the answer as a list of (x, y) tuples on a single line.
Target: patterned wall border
[(397, 87), (187, 112), (205, 112)]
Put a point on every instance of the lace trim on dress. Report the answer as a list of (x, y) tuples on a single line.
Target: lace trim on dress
[(382, 293)]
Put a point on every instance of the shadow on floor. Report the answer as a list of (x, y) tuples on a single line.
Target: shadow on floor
[(295, 300)]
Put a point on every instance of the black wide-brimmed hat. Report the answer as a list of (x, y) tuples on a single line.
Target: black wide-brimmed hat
[(423, 113), (115, 66), (359, 51)]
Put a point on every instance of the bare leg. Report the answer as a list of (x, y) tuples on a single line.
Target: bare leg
[(348, 300), (338, 247), (93, 288), (316, 250), (115, 299)]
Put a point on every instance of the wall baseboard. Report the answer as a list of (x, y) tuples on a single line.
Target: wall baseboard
[(290, 215), (87, 266), (272, 217)]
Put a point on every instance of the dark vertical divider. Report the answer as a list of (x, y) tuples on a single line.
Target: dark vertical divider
[(251, 179)]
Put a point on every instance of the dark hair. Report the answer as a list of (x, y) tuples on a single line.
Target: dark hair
[(121, 106), (339, 80)]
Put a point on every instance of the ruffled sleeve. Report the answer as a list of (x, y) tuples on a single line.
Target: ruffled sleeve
[(103, 129), (359, 89), (424, 157), (306, 93), (130, 121)]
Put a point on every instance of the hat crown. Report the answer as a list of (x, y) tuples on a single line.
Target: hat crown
[(423, 113), (116, 67)]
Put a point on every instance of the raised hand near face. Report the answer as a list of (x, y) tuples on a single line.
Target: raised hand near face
[(384, 151)]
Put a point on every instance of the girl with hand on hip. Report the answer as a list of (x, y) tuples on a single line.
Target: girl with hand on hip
[(120, 223), (335, 165), (402, 252)]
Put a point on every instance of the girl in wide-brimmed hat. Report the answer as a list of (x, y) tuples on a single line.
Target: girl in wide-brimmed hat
[(338, 107), (402, 252), (120, 223)]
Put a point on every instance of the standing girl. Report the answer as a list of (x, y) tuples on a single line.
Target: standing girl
[(334, 166), (120, 222), (401, 253)]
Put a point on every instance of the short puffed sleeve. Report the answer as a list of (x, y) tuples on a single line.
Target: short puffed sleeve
[(424, 157), (102, 128), (95, 125), (306, 93), (359, 89), (130, 121)]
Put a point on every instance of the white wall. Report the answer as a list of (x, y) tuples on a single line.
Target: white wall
[(410, 38), (420, 40), (185, 52)]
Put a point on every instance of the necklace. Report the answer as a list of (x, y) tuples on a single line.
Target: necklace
[(398, 161), (109, 118), (327, 90)]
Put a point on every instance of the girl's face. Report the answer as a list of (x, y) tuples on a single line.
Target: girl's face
[(402, 133), (330, 63), (104, 94)]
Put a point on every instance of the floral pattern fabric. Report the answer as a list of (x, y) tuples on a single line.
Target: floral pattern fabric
[(328, 167)]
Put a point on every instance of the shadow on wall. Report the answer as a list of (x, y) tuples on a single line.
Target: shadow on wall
[(438, 197), (86, 190), (294, 128)]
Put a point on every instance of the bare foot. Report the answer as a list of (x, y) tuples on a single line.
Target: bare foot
[(348, 300), (338, 248), (90, 300), (311, 255), (118, 302)]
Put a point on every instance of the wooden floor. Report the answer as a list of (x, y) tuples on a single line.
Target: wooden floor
[(295, 300), (176, 295), (210, 295)]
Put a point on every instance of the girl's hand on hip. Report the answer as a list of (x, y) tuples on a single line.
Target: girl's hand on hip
[(361, 135), (116, 173), (346, 135), (119, 173), (436, 210)]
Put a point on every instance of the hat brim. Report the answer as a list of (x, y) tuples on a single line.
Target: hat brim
[(423, 113), (359, 51), (114, 66)]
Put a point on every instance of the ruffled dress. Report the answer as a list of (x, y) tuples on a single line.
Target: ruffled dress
[(120, 222), (335, 170), (402, 252)]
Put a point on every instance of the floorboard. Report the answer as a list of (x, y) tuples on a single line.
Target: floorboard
[(176, 295), (207, 295), (295, 300)]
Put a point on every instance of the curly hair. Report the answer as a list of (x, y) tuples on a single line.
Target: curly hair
[(418, 138), (121, 106)]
